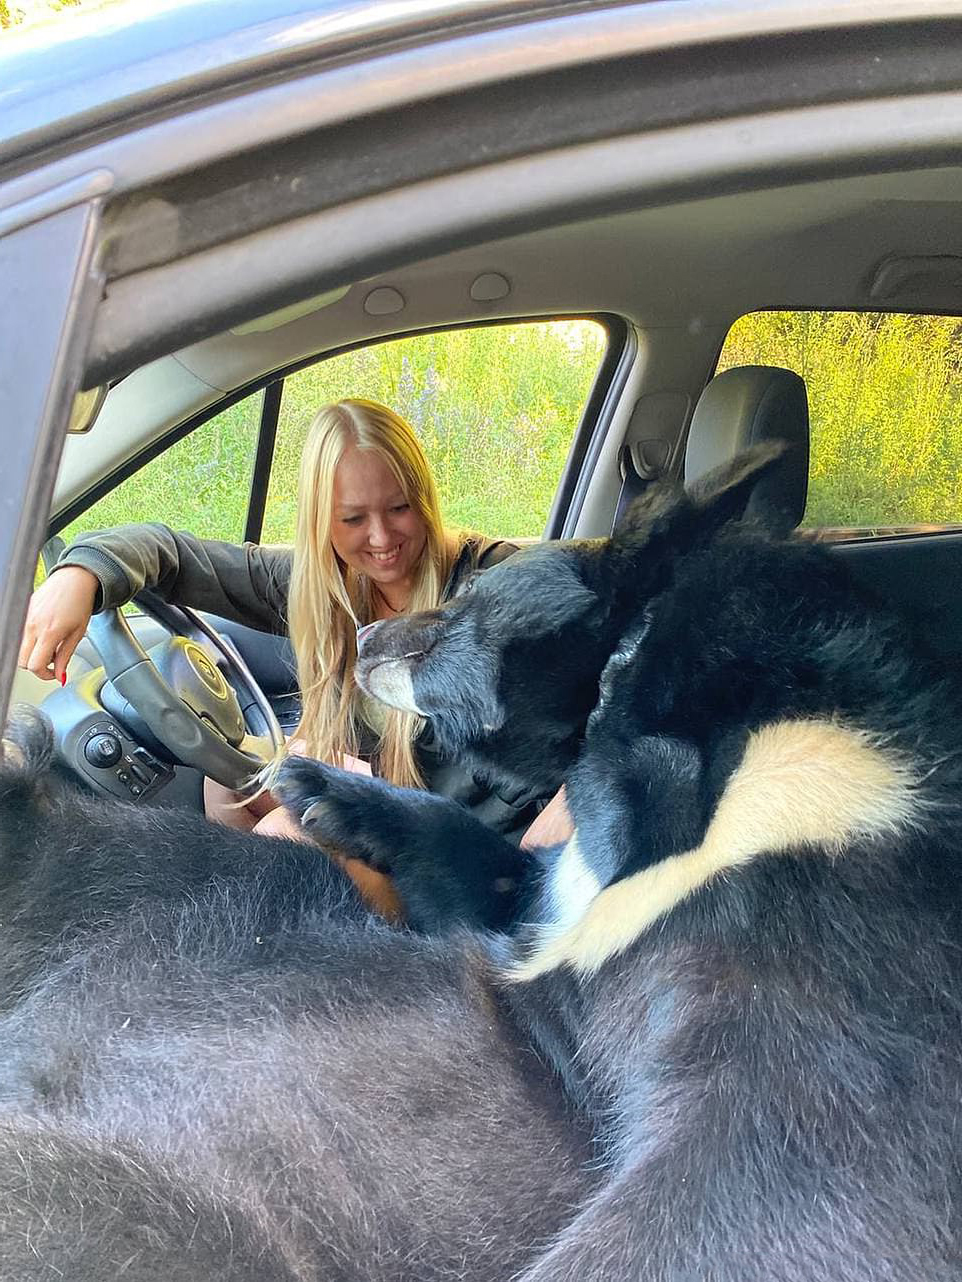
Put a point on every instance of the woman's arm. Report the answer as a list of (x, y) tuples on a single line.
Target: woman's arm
[(57, 618), (243, 582)]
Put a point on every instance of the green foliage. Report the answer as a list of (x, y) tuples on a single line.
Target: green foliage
[(201, 484), (14, 13), (883, 395), (495, 409)]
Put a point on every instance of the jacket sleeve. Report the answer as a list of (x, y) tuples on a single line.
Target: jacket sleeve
[(244, 582)]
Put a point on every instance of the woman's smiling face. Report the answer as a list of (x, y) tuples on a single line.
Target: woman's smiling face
[(374, 529)]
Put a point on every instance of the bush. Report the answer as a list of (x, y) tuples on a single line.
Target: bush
[(883, 395)]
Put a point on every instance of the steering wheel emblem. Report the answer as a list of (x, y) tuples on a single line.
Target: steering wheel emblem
[(207, 670)]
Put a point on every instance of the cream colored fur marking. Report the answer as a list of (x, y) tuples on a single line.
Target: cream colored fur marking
[(800, 783), (391, 682)]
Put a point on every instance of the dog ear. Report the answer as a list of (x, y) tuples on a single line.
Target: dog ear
[(680, 517), (667, 521), (722, 494)]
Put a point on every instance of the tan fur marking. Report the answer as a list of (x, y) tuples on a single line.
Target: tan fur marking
[(375, 888), (800, 783)]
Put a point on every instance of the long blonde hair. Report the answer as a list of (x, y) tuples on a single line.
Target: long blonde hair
[(326, 596)]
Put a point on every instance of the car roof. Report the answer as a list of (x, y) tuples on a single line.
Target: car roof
[(84, 71), (796, 238), (189, 169)]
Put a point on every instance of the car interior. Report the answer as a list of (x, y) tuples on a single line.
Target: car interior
[(666, 282), (585, 247)]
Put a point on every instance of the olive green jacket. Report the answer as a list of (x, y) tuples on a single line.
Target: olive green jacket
[(248, 583)]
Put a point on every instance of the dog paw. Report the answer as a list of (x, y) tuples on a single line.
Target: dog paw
[(301, 783), (335, 807)]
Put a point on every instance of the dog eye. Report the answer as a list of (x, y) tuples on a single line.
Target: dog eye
[(469, 584)]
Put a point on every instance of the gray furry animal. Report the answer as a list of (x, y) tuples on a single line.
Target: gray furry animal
[(714, 1036)]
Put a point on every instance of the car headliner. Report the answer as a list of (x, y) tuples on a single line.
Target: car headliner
[(681, 274)]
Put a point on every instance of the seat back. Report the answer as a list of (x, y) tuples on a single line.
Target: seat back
[(742, 407), (738, 408)]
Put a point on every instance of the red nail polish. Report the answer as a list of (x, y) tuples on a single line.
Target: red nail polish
[(63, 678)]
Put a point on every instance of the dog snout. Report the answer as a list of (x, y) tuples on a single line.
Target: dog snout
[(405, 638)]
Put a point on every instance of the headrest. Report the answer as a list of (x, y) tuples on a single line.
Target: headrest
[(739, 408)]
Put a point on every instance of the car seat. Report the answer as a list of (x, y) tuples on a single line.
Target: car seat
[(738, 408)]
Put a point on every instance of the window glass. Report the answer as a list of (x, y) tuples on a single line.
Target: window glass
[(201, 484), (495, 408), (884, 400)]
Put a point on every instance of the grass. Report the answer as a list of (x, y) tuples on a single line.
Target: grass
[(496, 409)]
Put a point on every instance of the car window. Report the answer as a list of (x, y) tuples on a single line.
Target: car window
[(495, 407), (884, 400), (202, 483)]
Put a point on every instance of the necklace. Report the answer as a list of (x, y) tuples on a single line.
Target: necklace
[(385, 602)]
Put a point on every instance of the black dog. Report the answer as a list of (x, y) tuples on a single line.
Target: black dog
[(216, 1064), (748, 967), (721, 1043)]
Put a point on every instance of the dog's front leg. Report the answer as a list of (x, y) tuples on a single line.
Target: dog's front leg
[(448, 868)]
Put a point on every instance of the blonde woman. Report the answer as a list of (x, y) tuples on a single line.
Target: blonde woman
[(369, 544)]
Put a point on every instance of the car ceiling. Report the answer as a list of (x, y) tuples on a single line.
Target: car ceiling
[(705, 261)]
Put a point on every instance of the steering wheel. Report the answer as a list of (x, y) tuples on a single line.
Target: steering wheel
[(206, 709)]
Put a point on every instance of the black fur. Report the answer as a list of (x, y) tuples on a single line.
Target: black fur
[(480, 880), (212, 1025), (763, 1085), (774, 1065)]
